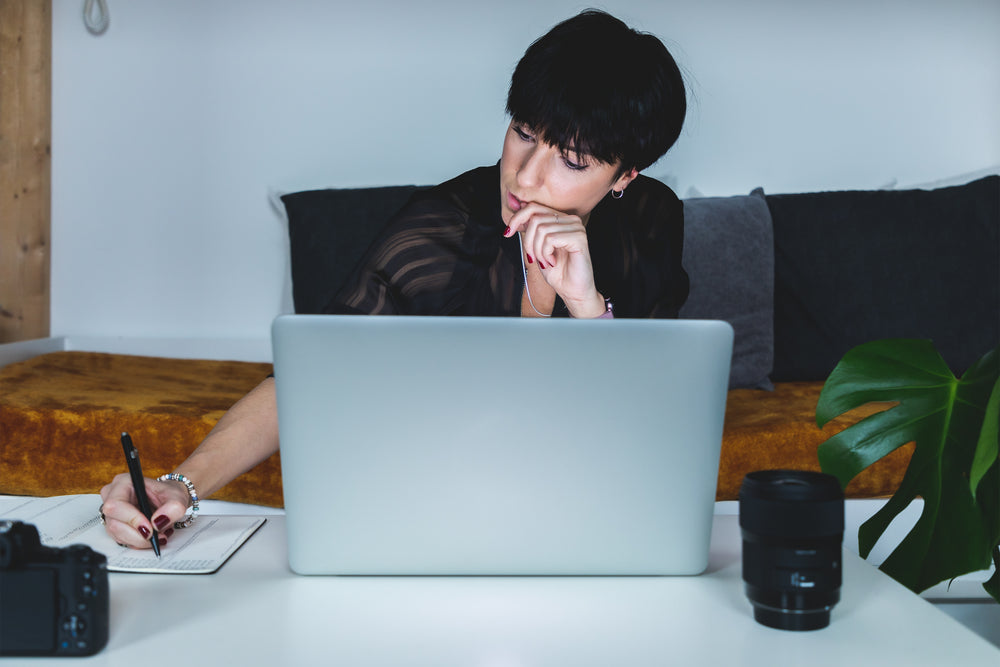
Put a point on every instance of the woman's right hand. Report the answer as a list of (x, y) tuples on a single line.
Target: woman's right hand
[(557, 242), (127, 525), (244, 437)]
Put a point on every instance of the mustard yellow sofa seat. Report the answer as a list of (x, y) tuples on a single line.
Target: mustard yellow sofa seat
[(62, 414)]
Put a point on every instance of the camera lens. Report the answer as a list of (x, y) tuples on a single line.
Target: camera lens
[(792, 522)]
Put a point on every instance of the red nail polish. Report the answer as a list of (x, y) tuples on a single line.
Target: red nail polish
[(506, 232), (160, 522), (144, 532), (162, 541), (530, 258)]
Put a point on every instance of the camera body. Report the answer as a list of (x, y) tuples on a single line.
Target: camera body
[(53, 601)]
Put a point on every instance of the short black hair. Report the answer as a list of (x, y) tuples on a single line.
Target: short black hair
[(597, 87)]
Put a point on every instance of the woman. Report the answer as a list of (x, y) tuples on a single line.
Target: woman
[(548, 231)]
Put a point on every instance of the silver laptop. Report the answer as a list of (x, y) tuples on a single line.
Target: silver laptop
[(499, 446)]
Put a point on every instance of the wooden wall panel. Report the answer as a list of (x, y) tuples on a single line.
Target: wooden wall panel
[(25, 176)]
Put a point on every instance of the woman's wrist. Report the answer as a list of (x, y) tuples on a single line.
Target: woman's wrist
[(594, 308)]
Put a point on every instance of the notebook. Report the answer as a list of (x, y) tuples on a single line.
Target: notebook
[(499, 446)]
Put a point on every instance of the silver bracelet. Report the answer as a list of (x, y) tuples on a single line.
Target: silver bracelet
[(174, 477)]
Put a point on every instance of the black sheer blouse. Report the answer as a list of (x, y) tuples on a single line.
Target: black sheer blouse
[(444, 253)]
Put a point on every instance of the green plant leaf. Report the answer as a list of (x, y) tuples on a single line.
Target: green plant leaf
[(988, 447), (944, 417)]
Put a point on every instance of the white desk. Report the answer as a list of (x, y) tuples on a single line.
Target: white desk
[(255, 612)]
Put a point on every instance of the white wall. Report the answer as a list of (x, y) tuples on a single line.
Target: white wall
[(170, 129)]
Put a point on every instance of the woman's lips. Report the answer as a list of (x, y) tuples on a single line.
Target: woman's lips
[(514, 203)]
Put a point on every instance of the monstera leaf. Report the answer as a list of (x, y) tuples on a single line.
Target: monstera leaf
[(954, 466)]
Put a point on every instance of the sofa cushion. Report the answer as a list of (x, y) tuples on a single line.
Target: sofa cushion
[(851, 267), (765, 430), (329, 231), (729, 256)]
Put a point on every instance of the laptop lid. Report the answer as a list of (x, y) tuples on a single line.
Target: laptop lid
[(453, 445)]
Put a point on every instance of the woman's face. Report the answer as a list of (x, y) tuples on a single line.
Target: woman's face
[(534, 171)]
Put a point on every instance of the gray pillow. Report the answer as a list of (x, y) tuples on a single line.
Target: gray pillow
[(729, 256)]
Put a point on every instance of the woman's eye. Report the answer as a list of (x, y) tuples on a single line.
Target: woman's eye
[(520, 131), (575, 165)]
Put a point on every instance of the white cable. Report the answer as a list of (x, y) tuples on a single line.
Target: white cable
[(96, 23), (524, 272)]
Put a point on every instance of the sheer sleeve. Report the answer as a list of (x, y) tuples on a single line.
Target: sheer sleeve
[(409, 267), (444, 253)]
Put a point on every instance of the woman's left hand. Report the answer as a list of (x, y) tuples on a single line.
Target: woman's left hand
[(557, 243)]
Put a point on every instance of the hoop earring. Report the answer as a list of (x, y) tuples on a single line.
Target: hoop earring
[(618, 194)]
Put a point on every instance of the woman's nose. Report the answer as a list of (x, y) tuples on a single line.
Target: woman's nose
[(532, 171)]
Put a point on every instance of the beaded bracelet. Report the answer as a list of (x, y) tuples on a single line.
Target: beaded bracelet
[(174, 477)]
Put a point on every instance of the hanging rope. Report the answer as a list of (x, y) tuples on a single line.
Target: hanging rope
[(96, 22)]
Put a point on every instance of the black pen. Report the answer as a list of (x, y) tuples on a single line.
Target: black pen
[(139, 484)]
